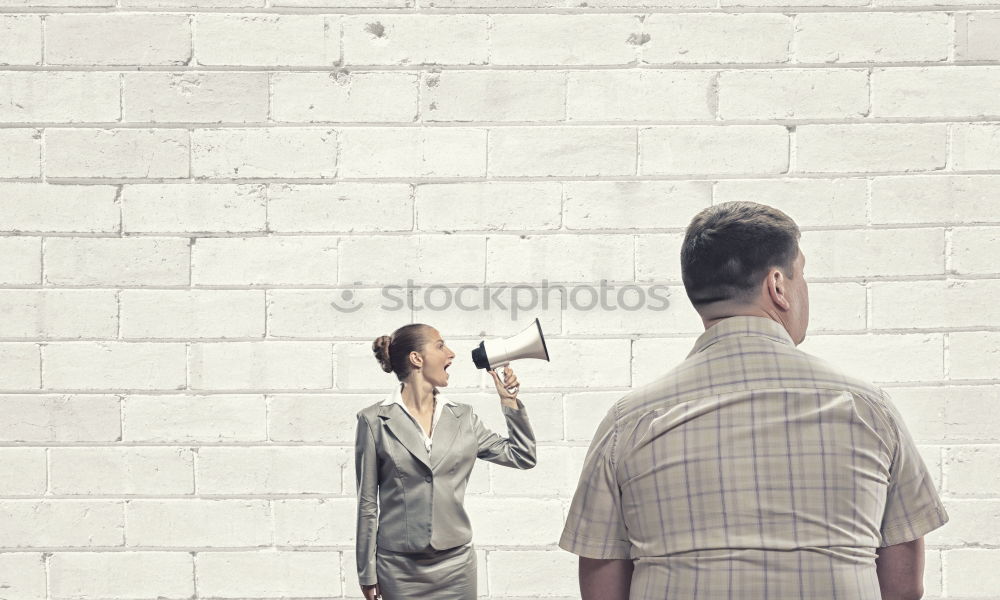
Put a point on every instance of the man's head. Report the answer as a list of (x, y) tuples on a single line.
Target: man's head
[(743, 258)]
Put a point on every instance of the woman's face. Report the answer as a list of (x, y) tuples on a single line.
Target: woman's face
[(437, 358)]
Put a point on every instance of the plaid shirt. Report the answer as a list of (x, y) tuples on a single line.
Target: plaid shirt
[(751, 471)]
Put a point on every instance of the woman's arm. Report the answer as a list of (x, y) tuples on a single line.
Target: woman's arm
[(366, 474), (518, 449)]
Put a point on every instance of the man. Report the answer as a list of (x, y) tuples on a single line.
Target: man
[(752, 471)]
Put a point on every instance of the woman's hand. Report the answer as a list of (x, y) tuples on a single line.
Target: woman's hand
[(371, 592), (508, 388)]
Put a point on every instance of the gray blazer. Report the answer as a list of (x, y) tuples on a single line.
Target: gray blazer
[(411, 501)]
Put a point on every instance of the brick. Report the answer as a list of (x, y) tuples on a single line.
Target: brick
[(194, 3), (121, 471), (538, 522), (117, 261), (117, 39), (870, 147), (66, 523), (319, 522), (810, 202), (113, 365), (584, 412), (631, 309), (973, 355), (493, 96), (191, 314), (633, 204), (59, 97), (905, 304), (20, 40), (975, 146), (194, 523), (388, 39), (837, 306), (274, 470), (704, 38), (555, 475), (562, 151), (971, 572), (194, 97), (653, 358), (554, 258), (22, 263), (794, 3), (320, 313), (945, 199), (340, 207), (873, 252), (488, 206), (254, 365), (872, 37), (932, 573), (972, 471), (793, 94), (267, 40), (540, 39), (966, 413), (338, 4), (31, 207), (544, 409), (22, 156), (316, 417), (23, 472), (970, 522), (22, 575), (974, 250), (434, 259), (641, 95), (117, 153), (137, 574), (58, 3), (532, 573), (732, 150), (976, 36), (269, 574), (264, 261), (933, 92), (58, 313), (876, 357), (264, 152), (579, 364), (60, 419), (215, 418), (413, 152), (20, 368), (206, 207), (345, 96)]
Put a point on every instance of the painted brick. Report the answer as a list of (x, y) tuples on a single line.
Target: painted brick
[(117, 39), (345, 96), (267, 40), (732, 150), (194, 97), (58, 97)]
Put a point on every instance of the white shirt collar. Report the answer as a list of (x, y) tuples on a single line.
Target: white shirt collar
[(397, 398)]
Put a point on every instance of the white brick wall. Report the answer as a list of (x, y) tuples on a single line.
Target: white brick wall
[(189, 187)]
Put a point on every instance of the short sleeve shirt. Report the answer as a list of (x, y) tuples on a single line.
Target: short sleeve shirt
[(752, 470)]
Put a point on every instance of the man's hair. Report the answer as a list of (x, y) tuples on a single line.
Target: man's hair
[(728, 249)]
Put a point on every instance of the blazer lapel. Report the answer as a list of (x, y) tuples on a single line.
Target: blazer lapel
[(445, 434), (405, 431)]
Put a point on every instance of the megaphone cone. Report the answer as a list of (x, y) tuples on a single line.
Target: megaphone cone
[(530, 343)]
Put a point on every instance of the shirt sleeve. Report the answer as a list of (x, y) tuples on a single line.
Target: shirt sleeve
[(595, 527), (912, 506)]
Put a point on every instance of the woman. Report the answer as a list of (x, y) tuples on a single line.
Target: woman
[(413, 456)]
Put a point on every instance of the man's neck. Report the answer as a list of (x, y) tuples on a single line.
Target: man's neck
[(720, 311)]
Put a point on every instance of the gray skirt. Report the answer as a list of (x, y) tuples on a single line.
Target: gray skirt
[(436, 574)]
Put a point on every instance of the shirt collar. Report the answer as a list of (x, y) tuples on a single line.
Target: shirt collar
[(397, 398), (742, 327)]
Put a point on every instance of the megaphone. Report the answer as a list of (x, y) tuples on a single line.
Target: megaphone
[(530, 343)]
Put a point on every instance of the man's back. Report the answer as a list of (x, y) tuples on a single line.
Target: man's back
[(752, 470)]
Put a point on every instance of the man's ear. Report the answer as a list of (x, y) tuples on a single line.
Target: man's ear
[(776, 287)]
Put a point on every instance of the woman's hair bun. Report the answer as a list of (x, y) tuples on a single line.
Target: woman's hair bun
[(380, 347)]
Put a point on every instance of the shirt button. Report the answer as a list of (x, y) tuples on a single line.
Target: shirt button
[(428, 478)]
